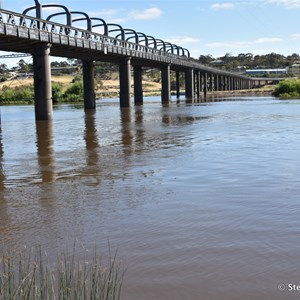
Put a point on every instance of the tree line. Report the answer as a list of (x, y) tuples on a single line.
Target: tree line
[(250, 61)]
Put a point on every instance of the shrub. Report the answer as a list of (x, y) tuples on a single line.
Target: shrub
[(287, 89), (77, 78), (19, 94), (56, 91), (74, 92)]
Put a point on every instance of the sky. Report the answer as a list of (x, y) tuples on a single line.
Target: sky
[(205, 27)]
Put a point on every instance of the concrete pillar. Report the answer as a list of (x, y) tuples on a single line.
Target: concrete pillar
[(205, 85), (216, 81), (200, 81), (189, 84), (125, 82), (88, 84), (233, 83), (211, 85), (198, 84), (177, 84), (138, 85), (165, 84), (221, 82), (42, 82)]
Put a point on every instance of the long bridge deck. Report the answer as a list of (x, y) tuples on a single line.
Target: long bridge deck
[(20, 32)]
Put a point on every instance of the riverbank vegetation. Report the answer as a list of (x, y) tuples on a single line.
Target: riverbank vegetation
[(288, 89), (16, 84), (29, 274), (67, 88), (243, 61)]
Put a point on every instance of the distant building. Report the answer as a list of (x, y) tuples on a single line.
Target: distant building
[(24, 75), (261, 72), (295, 68)]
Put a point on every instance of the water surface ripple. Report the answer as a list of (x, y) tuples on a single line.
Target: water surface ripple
[(201, 200)]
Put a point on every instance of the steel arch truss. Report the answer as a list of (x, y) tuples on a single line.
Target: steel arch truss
[(124, 35)]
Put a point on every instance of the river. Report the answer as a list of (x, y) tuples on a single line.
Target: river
[(201, 200)]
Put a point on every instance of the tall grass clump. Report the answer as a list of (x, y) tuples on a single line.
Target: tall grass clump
[(74, 93), (30, 275), (288, 89)]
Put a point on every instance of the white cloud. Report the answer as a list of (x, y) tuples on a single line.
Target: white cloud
[(267, 40), (225, 5), (286, 3), (146, 14), (295, 36), (182, 40), (243, 44)]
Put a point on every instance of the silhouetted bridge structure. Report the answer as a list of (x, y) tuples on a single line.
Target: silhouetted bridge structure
[(34, 31)]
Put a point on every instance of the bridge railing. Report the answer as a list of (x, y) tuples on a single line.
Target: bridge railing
[(28, 27)]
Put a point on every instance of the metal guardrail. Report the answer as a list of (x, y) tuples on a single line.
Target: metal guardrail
[(27, 27), (46, 31)]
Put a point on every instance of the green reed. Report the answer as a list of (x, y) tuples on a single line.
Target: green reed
[(30, 275)]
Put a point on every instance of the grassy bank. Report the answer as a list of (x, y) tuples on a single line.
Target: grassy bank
[(65, 88), (288, 89), (30, 275)]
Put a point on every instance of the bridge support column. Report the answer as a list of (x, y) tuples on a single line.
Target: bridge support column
[(198, 84), (189, 84), (231, 81), (165, 84), (125, 82), (221, 82), (205, 85), (88, 84), (177, 84), (138, 85), (216, 82), (42, 82), (211, 82)]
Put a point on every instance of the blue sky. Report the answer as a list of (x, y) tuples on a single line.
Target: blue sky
[(203, 27)]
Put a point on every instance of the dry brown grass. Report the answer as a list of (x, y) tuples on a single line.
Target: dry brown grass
[(109, 86)]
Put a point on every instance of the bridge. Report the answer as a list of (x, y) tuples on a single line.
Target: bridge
[(15, 55), (35, 31)]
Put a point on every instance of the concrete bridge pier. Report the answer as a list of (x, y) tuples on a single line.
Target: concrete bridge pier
[(189, 84), (177, 84), (221, 83), (216, 82), (88, 84), (198, 84), (205, 85), (165, 84), (42, 82), (138, 85), (231, 81), (211, 82), (125, 82)]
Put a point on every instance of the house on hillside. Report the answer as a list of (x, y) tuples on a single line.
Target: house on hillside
[(295, 68), (262, 72)]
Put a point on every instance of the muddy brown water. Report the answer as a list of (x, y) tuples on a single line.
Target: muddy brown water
[(202, 201)]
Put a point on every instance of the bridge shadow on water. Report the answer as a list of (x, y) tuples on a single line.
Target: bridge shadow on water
[(85, 147)]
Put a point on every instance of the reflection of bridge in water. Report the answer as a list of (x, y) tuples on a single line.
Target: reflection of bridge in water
[(40, 36)]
